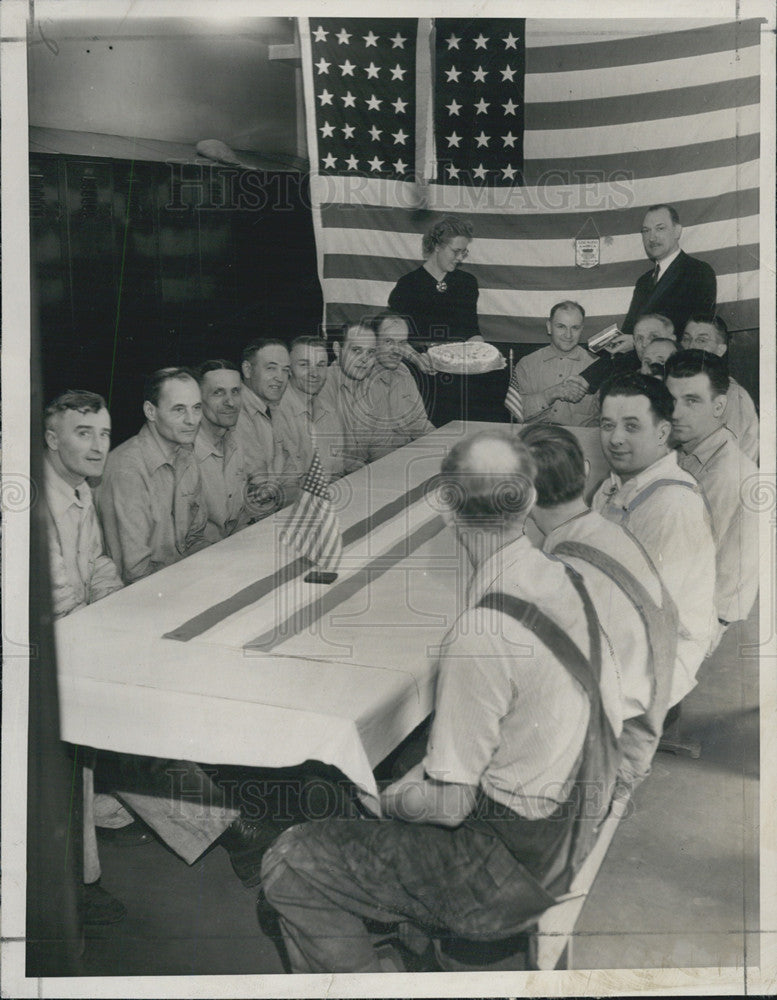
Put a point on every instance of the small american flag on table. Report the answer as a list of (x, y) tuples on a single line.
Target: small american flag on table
[(313, 528), (513, 400)]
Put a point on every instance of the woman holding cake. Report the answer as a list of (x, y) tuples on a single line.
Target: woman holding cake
[(439, 300)]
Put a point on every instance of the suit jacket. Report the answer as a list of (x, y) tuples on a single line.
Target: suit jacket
[(686, 288)]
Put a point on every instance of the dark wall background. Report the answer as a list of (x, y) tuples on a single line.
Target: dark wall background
[(143, 264)]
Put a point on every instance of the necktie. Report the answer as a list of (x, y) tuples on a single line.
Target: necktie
[(656, 273)]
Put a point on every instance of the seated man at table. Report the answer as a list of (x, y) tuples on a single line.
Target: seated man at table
[(346, 392), (77, 437), (634, 609), (219, 451), (476, 838), (661, 505), (740, 415), (266, 368), (151, 501), (303, 421), (655, 356), (393, 400), (547, 382), (698, 383)]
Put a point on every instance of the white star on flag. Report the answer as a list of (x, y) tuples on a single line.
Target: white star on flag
[(352, 162), (399, 137), (398, 42), (400, 166), (453, 41), (375, 163), (399, 106), (510, 41), (327, 130), (347, 131), (397, 73), (370, 39), (509, 140), (479, 74), (480, 172), (480, 41), (372, 71), (453, 74), (508, 73), (374, 102), (482, 139), (375, 133), (453, 171), (325, 97), (329, 161), (347, 68), (510, 107), (482, 107), (322, 65), (509, 172), (320, 34), (343, 37), (349, 101), (453, 107), (453, 140)]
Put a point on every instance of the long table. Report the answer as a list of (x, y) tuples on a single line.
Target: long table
[(229, 657)]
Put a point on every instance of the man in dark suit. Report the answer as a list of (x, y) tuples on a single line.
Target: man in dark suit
[(677, 286)]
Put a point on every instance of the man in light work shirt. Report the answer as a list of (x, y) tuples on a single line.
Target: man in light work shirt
[(345, 392), (484, 818), (302, 419), (635, 611), (661, 505), (151, 501), (265, 369), (548, 380), (219, 452), (740, 415), (708, 450), (77, 435), (393, 400)]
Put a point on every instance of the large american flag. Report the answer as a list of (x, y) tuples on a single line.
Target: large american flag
[(541, 133)]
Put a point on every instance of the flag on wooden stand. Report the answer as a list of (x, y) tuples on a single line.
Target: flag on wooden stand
[(313, 528)]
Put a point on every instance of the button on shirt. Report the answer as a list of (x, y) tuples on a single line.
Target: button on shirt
[(508, 716), (721, 468), (151, 503), (224, 481), (396, 410), (297, 419), (620, 620), (81, 572), (673, 527), (548, 367)]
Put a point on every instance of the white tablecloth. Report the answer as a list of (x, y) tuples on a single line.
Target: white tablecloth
[(344, 689)]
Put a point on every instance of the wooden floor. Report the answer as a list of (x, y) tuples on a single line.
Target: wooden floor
[(679, 887)]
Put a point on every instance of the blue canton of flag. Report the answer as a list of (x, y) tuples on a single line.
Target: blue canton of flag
[(313, 528), (364, 91), (479, 100)]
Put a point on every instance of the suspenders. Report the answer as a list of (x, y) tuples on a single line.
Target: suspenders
[(621, 515), (600, 758)]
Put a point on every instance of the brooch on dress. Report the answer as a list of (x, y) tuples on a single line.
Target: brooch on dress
[(441, 286)]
